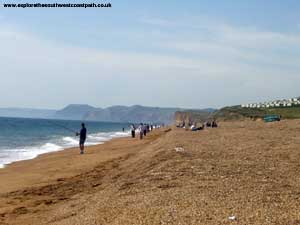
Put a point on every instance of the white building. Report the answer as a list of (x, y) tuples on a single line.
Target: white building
[(277, 103)]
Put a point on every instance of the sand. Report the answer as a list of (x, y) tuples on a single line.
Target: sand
[(240, 173)]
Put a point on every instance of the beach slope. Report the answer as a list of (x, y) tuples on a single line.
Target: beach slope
[(240, 173)]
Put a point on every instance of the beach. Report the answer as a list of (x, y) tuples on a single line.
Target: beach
[(243, 172)]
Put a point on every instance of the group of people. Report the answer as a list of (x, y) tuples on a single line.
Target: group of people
[(212, 124), (193, 127), (143, 129)]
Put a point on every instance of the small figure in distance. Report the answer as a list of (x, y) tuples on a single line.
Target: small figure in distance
[(132, 127), (214, 124), (145, 129), (141, 128)]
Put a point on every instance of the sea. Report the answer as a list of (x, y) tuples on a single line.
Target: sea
[(23, 139)]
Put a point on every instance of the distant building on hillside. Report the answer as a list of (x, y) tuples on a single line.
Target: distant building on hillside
[(277, 103)]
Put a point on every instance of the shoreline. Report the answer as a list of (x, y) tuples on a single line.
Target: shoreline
[(59, 148), (73, 152), (246, 170)]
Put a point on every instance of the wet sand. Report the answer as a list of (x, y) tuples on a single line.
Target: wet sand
[(248, 170)]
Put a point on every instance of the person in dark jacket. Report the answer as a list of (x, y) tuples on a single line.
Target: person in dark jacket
[(82, 138), (132, 127), (145, 130), (214, 124)]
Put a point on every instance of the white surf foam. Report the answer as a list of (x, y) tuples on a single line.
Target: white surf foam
[(8, 156), (69, 141), (13, 155)]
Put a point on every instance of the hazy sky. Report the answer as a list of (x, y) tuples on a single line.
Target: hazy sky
[(194, 54)]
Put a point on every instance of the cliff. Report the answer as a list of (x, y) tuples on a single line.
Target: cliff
[(192, 116)]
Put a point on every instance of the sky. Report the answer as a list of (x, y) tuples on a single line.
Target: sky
[(190, 54)]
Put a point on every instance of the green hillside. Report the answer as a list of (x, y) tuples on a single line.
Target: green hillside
[(286, 113), (237, 112)]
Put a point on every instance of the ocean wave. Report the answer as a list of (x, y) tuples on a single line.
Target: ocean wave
[(121, 134), (8, 156), (69, 141)]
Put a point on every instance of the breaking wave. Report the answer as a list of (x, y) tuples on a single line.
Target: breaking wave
[(8, 156)]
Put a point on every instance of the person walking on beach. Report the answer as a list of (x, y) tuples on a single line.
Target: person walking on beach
[(132, 127), (148, 128), (82, 138), (141, 128), (145, 130)]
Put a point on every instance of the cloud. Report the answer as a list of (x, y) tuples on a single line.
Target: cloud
[(231, 49), (193, 65), (254, 57), (238, 45), (159, 22), (257, 39), (185, 22), (226, 33), (28, 51), (45, 73)]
